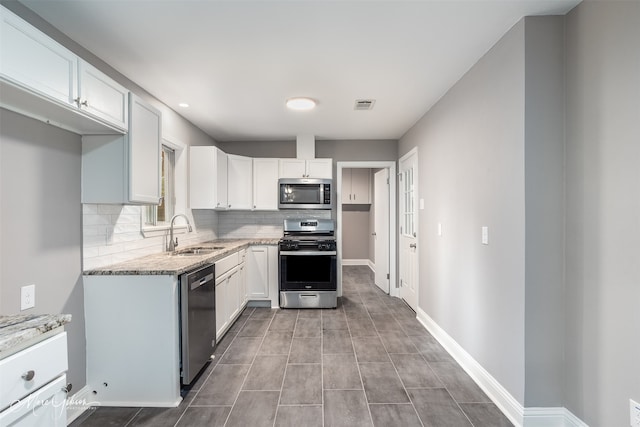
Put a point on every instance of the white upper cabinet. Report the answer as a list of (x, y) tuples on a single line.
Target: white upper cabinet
[(35, 61), (207, 178), (299, 168), (240, 182), (356, 186), (102, 97), (265, 184), (124, 168), (145, 136), (42, 79)]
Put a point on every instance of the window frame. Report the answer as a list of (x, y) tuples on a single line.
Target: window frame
[(179, 195)]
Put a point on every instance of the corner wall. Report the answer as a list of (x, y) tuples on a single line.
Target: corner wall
[(603, 211)]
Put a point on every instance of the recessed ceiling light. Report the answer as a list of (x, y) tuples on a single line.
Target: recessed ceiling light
[(300, 104), (183, 105)]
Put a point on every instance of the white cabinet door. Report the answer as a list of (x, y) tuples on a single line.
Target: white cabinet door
[(293, 168), (240, 182), (222, 315), (320, 168), (207, 178), (35, 61), (356, 186), (299, 168), (258, 272), (46, 407), (102, 97), (265, 184), (145, 127), (361, 185)]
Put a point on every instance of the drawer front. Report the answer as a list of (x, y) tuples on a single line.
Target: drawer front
[(47, 360), (226, 264), (44, 408)]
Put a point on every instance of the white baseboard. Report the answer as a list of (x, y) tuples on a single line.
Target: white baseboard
[(510, 407), (78, 403)]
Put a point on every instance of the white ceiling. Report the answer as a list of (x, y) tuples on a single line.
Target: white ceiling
[(236, 62)]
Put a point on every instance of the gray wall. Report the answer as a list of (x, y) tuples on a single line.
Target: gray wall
[(603, 211), (277, 149), (471, 174), (544, 215), (356, 232), (553, 109), (41, 225)]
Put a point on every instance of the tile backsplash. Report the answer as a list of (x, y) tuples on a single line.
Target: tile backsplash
[(113, 233)]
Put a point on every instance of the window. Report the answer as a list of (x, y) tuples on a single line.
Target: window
[(161, 214)]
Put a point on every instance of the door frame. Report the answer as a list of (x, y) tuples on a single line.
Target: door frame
[(393, 226)]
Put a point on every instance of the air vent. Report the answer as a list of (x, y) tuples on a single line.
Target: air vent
[(364, 104)]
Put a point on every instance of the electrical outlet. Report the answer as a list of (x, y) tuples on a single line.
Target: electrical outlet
[(485, 235), (634, 413), (27, 297)]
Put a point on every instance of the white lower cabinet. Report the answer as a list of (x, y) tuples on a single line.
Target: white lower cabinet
[(262, 274), (39, 399), (231, 291)]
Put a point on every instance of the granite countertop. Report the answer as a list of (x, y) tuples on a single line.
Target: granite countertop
[(167, 264), (21, 329)]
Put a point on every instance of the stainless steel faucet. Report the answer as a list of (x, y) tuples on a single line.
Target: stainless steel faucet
[(172, 244)]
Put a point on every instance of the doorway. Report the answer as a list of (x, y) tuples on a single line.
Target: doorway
[(387, 279), (408, 237)]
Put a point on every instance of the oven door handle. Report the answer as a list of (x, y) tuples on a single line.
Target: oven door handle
[(308, 253)]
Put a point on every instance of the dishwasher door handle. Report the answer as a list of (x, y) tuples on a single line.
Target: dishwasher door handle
[(196, 284)]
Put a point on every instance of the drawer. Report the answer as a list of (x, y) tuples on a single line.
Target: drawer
[(226, 264), (47, 360), (44, 408)]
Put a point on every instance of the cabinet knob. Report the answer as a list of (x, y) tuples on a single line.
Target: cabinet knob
[(85, 103), (29, 375), (67, 388)]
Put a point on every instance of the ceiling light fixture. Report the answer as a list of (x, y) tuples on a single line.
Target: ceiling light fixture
[(300, 104), (183, 105)]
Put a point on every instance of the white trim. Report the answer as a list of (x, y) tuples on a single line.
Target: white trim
[(510, 407), (356, 262), (391, 165), (78, 403)]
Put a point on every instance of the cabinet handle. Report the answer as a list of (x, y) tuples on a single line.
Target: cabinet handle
[(85, 103), (77, 101), (67, 388), (413, 245), (29, 375)]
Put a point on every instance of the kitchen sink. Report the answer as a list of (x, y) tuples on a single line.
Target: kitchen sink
[(197, 251)]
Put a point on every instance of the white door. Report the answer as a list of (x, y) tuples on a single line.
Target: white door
[(409, 228), (381, 234)]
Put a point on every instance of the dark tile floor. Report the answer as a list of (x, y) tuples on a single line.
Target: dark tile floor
[(368, 362)]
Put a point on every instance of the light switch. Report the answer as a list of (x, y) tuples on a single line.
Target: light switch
[(485, 235)]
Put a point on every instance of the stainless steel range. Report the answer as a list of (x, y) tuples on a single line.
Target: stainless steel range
[(308, 277)]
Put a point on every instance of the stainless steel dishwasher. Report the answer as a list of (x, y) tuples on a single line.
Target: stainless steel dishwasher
[(198, 320)]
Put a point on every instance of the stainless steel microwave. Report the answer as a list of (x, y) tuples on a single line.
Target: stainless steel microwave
[(305, 193)]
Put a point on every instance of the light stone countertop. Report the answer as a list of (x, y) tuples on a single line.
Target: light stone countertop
[(167, 264), (20, 330)]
